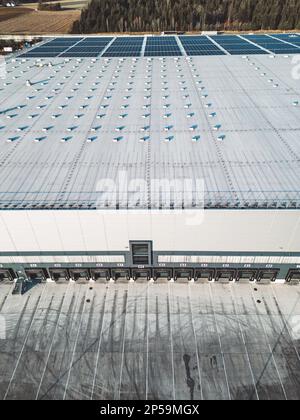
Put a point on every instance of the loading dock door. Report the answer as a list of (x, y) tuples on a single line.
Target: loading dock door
[(204, 275), (225, 276), (59, 275), (7, 275), (293, 277), (100, 275), (183, 274), (36, 274), (141, 274), (162, 274), (120, 274), (246, 275), (80, 275), (266, 276)]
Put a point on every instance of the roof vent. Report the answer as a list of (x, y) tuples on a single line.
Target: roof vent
[(11, 139), (169, 138), (196, 138), (72, 128), (65, 139), (91, 139), (38, 139), (145, 138), (48, 128), (96, 128), (117, 139)]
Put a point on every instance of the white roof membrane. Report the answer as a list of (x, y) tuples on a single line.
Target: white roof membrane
[(70, 125)]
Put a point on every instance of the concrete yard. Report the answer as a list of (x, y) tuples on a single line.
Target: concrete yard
[(151, 341)]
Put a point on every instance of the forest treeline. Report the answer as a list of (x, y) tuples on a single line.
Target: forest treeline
[(188, 15)]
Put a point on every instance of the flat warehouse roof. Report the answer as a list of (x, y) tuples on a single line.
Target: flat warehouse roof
[(68, 124)]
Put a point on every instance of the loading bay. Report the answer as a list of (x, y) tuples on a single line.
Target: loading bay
[(150, 341)]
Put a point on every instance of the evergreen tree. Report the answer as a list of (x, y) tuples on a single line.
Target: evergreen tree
[(187, 15)]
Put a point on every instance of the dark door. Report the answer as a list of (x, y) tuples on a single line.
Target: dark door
[(141, 253)]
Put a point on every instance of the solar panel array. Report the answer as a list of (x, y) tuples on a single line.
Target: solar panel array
[(200, 45), (274, 45), (89, 47), (162, 46), (125, 47), (237, 46), (291, 38), (53, 48)]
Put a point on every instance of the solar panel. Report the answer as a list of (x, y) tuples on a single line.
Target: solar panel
[(236, 45), (125, 47), (291, 38), (274, 45), (199, 45), (89, 47), (52, 48), (162, 46)]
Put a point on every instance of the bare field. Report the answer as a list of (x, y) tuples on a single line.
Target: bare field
[(73, 4), (38, 22), (7, 13)]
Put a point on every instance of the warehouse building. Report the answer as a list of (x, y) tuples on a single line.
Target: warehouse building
[(164, 158)]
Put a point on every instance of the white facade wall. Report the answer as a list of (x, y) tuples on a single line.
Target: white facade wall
[(94, 230)]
